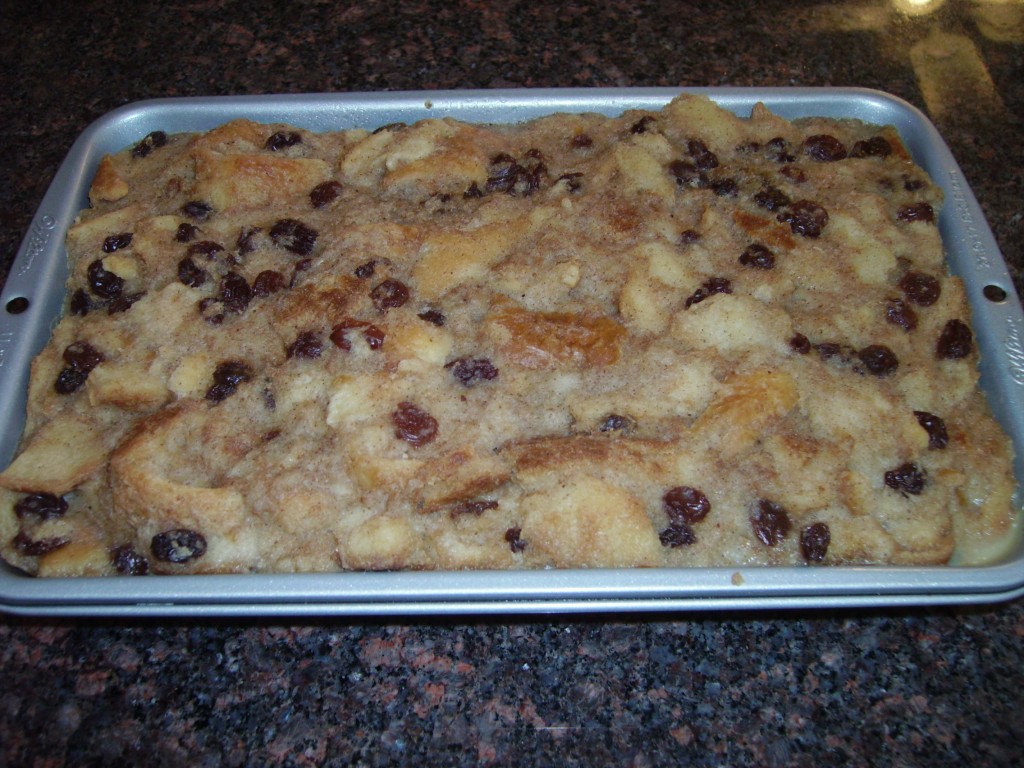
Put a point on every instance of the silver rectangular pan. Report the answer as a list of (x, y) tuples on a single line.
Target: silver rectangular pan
[(38, 276)]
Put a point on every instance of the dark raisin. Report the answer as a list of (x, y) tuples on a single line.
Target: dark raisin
[(152, 141), (878, 359), (814, 541), (513, 537), (325, 193), (282, 140), (37, 547), (117, 242), (581, 141), (294, 236), (640, 126), (374, 336), (82, 356), (413, 424), (433, 317), (772, 198), (906, 478), (805, 217), (469, 371), (473, 507), (911, 184), (703, 158), (186, 233), (246, 242), (726, 187), (685, 504), (711, 286), (685, 172), (614, 423), (876, 146), (366, 270), (916, 212), (209, 309), (69, 380), (800, 344), (473, 192), (758, 257), (226, 378), (574, 181), (678, 534), (197, 209), (770, 522), (389, 295), (824, 148), (898, 312), (779, 150), (235, 292), (178, 545), (689, 237), (124, 302), (80, 303), (938, 437), (307, 345), (43, 506), (128, 562), (190, 273), (104, 284), (922, 289), (955, 342), (267, 282), (205, 248)]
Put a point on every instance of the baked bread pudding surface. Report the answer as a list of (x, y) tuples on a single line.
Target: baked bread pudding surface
[(673, 338)]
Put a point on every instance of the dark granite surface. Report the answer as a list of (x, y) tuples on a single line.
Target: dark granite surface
[(913, 687)]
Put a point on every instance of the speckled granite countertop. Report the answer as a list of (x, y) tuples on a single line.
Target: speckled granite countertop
[(915, 687)]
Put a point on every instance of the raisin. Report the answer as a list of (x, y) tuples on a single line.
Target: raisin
[(758, 257), (917, 212), (124, 302), (688, 237), (805, 217), (389, 294), (190, 273), (365, 270), (294, 236), (37, 547), (711, 286), (374, 337), (325, 193), (197, 209), (300, 266), (178, 545), (955, 342), (920, 288), (911, 184), (640, 126), (906, 478), (282, 140), (938, 437), (69, 380), (678, 534), (473, 192), (433, 317), (226, 378), (876, 146), (726, 187), (814, 541), (43, 506), (772, 198), (824, 148), (878, 359), (770, 522), (685, 172), (235, 292), (104, 284), (581, 141), (473, 507), (685, 504), (117, 242), (513, 537), (614, 422), (206, 248), (152, 141), (574, 181), (307, 345), (506, 175), (128, 562), (82, 356), (779, 150), (267, 282), (703, 158), (470, 371), (186, 233), (800, 344), (80, 303), (413, 424), (208, 309), (898, 312)]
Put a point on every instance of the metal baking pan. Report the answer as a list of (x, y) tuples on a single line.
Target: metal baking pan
[(38, 277)]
